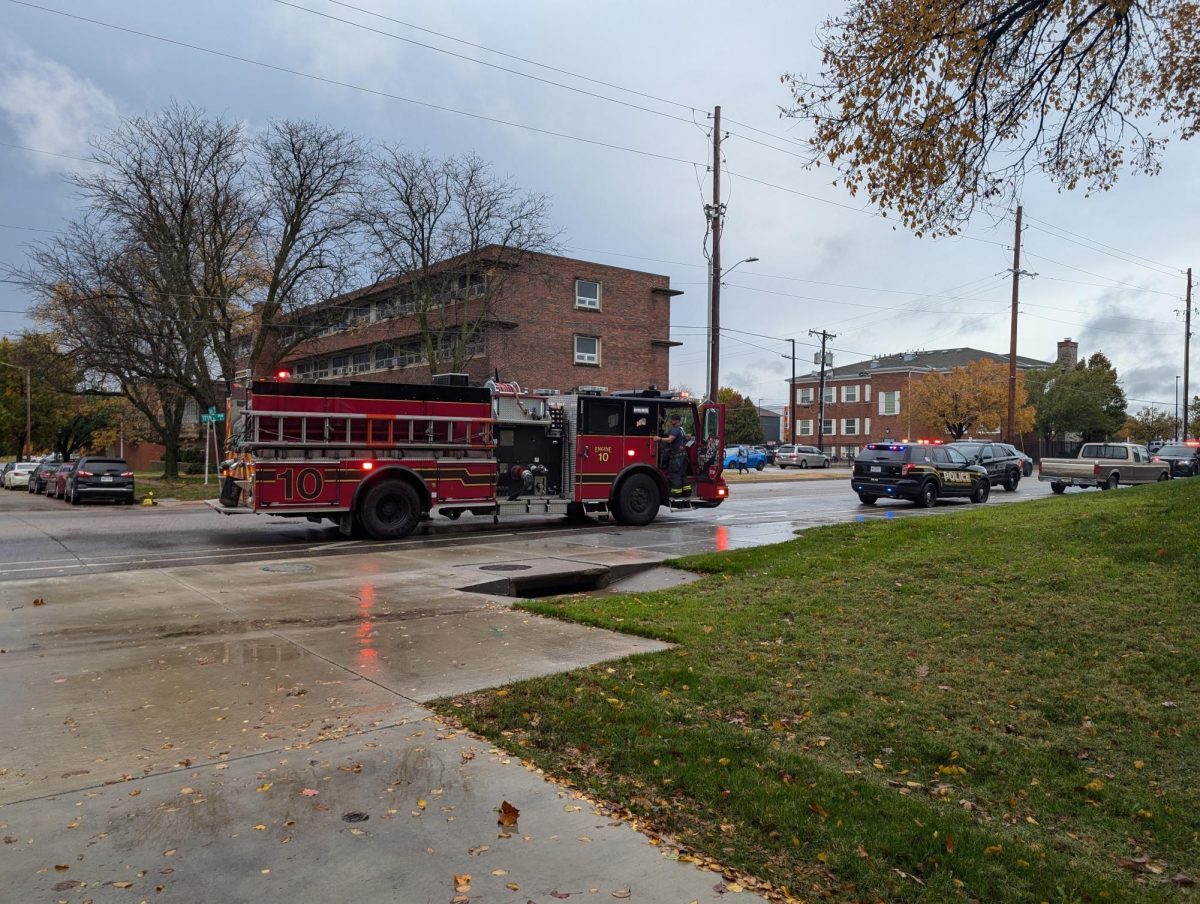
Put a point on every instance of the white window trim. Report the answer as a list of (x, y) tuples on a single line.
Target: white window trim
[(587, 358), (832, 424), (846, 424), (830, 395), (848, 391), (804, 427), (883, 399), (586, 303), (805, 396)]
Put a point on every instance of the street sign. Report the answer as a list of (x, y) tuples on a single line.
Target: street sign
[(211, 418)]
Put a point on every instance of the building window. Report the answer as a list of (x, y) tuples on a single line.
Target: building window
[(806, 427), (385, 356), (850, 426), (587, 294), (827, 427), (806, 396), (850, 393), (339, 364), (889, 402), (360, 362), (830, 395), (587, 350)]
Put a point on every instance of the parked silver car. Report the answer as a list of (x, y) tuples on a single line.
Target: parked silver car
[(801, 457)]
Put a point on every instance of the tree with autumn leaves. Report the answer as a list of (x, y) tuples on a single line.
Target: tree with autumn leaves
[(936, 108), (971, 399)]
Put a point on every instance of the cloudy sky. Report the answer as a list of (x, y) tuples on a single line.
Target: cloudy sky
[(607, 110)]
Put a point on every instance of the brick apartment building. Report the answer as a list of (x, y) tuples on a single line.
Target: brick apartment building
[(867, 401), (547, 322)]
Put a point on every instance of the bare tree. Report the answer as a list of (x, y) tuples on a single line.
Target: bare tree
[(450, 231), (934, 108), (307, 176), (115, 326)]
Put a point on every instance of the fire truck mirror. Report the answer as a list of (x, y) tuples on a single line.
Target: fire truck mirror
[(712, 423)]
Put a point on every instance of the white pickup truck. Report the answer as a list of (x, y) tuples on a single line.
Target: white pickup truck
[(1103, 465)]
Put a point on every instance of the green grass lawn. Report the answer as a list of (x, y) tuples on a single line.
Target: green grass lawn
[(995, 705), (186, 486)]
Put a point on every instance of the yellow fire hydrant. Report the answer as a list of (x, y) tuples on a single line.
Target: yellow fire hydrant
[(149, 499)]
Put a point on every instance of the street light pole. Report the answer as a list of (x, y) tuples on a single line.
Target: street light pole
[(28, 407), (715, 275)]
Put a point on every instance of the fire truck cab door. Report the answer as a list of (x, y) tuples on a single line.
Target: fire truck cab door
[(601, 450)]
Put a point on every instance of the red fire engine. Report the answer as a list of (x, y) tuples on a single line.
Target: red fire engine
[(375, 458)]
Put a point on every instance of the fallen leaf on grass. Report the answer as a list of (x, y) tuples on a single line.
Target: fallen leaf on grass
[(621, 893), (61, 867), (310, 792), (819, 810), (39, 602), (122, 884), (1183, 881), (265, 786), (950, 845), (993, 850), (462, 883), (508, 814)]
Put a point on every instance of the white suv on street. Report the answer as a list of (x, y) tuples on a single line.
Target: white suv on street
[(801, 457)]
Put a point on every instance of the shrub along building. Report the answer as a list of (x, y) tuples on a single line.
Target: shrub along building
[(867, 401), (543, 321)]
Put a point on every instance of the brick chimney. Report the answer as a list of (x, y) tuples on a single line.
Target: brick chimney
[(1068, 354)]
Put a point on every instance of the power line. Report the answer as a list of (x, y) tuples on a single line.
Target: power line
[(22, 147), (1172, 271), (691, 108), (1114, 282), (340, 84)]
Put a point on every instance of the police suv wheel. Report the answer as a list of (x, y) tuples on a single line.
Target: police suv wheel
[(637, 500), (867, 500), (982, 489), (928, 495), (389, 510), (1058, 488), (1011, 481)]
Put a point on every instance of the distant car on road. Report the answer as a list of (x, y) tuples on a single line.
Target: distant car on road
[(1003, 466), (1184, 458), (801, 457), (40, 474), (96, 477), (16, 474), (56, 484), (1026, 460), (756, 458)]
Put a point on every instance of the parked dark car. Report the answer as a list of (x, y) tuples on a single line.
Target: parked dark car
[(56, 483), (1183, 457), (1003, 465), (37, 480), (768, 451), (94, 477)]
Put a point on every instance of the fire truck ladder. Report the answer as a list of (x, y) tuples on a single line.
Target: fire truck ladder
[(281, 434)]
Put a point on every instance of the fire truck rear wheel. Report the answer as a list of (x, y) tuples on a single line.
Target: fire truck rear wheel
[(637, 500), (390, 510)]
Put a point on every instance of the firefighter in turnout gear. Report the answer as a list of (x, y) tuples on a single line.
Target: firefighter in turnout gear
[(677, 461)]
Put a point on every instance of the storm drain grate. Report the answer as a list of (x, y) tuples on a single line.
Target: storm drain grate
[(505, 567)]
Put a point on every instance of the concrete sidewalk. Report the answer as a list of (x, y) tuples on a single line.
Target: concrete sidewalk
[(255, 732)]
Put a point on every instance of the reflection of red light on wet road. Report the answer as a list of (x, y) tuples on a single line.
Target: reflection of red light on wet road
[(368, 656), (722, 538)]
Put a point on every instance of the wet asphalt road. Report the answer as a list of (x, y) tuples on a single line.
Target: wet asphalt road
[(43, 537)]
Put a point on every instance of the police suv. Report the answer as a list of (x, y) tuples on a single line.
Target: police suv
[(920, 472)]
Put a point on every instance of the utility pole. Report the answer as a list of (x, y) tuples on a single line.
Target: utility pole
[(792, 396), (714, 273), (825, 337), (1011, 431), (1187, 341)]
